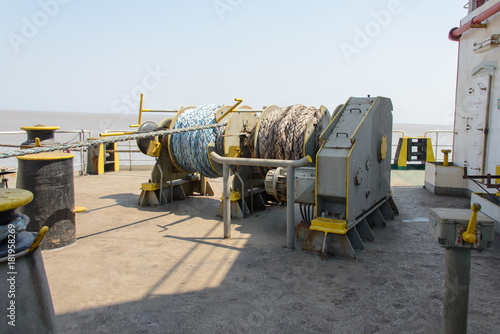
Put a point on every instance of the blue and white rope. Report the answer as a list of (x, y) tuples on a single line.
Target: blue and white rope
[(20, 222), (190, 148)]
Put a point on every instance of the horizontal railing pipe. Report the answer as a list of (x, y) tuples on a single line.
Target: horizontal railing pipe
[(290, 175)]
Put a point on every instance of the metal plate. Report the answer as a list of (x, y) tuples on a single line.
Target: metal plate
[(237, 124)]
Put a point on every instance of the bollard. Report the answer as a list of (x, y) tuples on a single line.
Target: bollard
[(45, 135), (445, 161), (23, 281), (452, 229), (49, 176)]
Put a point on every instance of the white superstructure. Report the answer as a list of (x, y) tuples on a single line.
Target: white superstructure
[(477, 111)]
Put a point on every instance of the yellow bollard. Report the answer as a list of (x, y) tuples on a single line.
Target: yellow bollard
[(446, 152)]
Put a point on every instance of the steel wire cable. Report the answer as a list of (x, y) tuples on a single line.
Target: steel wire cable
[(190, 148), (281, 132), (108, 140)]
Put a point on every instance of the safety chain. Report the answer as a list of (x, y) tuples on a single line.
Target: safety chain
[(107, 140)]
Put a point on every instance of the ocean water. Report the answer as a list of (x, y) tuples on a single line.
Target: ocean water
[(99, 123)]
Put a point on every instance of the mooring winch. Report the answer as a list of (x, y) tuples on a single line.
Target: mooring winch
[(184, 163), (343, 192)]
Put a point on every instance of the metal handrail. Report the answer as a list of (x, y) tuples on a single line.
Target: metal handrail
[(399, 131), (290, 165), (81, 136), (129, 145), (437, 132), (83, 151), (393, 151)]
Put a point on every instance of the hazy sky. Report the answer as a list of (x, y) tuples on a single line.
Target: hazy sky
[(97, 56)]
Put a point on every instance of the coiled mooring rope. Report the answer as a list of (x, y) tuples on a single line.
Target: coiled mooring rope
[(190, 148), (281, 132), (107, 140), (19, 223)]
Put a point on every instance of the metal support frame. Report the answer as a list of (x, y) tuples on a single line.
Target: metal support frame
[(488, 178), (290, 165), (161, 178), (361, 229)]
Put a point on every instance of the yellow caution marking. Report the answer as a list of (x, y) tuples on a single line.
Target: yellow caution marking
[(47, 156), (234, 197), (329, 225), (40, 127), (149, 186), (79, 209)]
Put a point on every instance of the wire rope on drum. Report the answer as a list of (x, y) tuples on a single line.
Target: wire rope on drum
[(190, 148), (282, 132)]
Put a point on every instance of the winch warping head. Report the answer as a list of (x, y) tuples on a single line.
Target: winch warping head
[(275, 184)]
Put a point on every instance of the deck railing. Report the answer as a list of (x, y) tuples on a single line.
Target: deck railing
[(128, 151), (436, 135), (80, 164)]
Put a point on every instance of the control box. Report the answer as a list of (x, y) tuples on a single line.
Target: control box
[(448, 225)]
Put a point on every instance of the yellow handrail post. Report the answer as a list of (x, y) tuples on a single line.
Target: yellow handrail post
[(140, 114)]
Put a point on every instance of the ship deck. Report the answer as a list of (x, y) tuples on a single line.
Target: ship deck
[(168, 269)]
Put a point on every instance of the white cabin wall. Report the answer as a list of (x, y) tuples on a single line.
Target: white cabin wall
[(466, 104)]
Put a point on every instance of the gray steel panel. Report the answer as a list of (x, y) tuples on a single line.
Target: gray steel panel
[(305, 179), (353, 142)]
